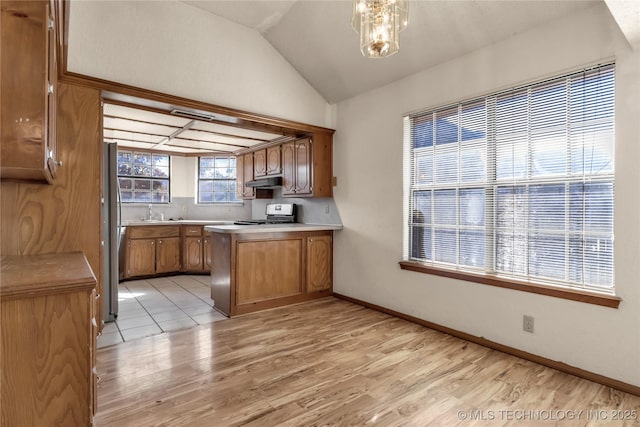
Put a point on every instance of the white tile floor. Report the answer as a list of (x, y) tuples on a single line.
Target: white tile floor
[(153, 306)]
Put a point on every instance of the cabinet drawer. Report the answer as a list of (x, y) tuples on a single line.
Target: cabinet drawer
[(143, 232), (193, 230)]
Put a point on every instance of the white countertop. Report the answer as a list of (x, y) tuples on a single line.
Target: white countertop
[(176, 222), (270, 228)]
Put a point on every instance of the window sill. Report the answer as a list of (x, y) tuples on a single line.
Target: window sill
[(485, 279)]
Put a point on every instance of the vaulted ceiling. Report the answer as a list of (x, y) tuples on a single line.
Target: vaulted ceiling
[(317, 39)]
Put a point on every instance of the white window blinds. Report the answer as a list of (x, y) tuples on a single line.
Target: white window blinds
[(518, 183)]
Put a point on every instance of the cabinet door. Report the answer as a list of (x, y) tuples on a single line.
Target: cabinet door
[(26, 119), (168, 255), (248, 192), (142, 257), (192, 254), (206, 251), (259, 163), (52, 98), (240, 176), (288, 168), (319, 263), (273, 160), (303, 166)]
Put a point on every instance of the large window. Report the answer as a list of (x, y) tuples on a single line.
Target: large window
[(518, 184), (143, 177), (217, 180)]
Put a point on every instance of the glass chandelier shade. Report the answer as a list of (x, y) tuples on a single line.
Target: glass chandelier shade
[(379, 23)]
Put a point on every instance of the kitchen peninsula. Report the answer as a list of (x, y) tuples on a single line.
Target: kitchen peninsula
[(257, 267)]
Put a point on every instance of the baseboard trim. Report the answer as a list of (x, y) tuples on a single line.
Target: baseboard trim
[(560, 366)]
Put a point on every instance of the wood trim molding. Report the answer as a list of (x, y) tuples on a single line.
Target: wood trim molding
[(245, 119), (554, 364), (518, 285)]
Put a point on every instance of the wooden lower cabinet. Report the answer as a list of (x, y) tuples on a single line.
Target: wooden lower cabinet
[(168, 255), (192, 254), (142, 257), (319, 263), (47, 331), (268, 269), (257, 271), (196, 250), (152, 250)]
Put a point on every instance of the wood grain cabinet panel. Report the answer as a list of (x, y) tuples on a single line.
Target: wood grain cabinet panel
[(303, 167), (29, 90), (260, 163), (319, 263), (240, 177), (168, 255), (192, 254), (247, 171), (268, 270), (141, 257), (258, 271), (288, 169), (274, 164), (47, 331), (153, 250), (297, 169)]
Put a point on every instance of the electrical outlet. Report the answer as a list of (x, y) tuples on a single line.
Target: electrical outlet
[(527, 323), (327, 209)]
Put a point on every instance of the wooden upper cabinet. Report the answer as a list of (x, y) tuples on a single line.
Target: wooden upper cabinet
[(28, 91), (240, 177), (288, 169), (297, 169), (303, 167), (260, 163), (274, 166), (247, 172)]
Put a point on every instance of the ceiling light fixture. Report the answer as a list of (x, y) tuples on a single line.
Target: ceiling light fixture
[(379, 23)]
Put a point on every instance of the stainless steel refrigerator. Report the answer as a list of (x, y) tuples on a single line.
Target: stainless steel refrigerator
[(111, 230)]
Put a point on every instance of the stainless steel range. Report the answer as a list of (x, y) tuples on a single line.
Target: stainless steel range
[(277, 213)]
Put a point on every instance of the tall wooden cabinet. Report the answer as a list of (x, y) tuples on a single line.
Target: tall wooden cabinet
[(28, 90), (47, 332)]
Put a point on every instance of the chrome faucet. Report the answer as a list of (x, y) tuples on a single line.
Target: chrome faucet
[(149, 213)]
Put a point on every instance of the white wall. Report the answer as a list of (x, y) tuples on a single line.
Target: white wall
[(184, 193), (175, 48), (368, 164)]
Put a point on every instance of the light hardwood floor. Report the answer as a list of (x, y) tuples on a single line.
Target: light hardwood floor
[(332, 363)]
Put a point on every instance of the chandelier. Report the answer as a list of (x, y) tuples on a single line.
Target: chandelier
[(379, 23)]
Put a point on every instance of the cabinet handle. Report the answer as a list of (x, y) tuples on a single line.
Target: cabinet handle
[(51, 24), (50, 88), (198, 240), (59, 163), (94, 323), (153, 243), (159, 242)]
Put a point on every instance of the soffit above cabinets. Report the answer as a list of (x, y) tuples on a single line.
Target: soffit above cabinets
[(177, 131)]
